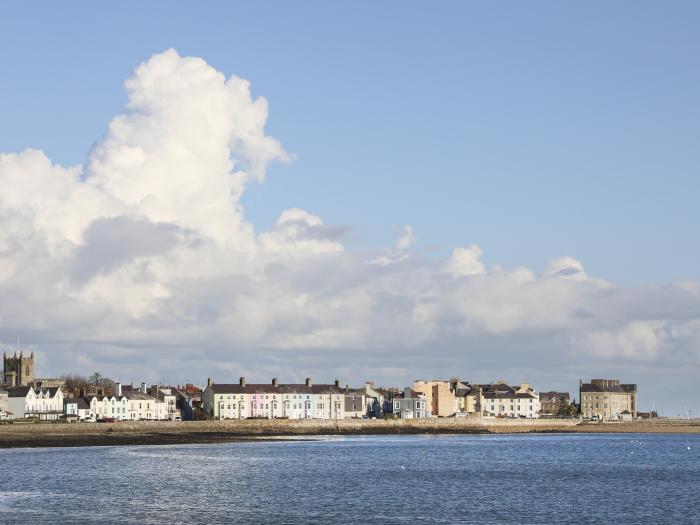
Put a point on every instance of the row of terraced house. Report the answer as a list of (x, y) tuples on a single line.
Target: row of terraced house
[(436, 398), (22, 396)]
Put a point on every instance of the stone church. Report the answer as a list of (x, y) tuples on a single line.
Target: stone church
[(18, 371)]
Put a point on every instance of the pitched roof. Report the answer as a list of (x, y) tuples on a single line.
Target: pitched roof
[(548, 396), (80, 401), (521, 395), (136, 395), (22, 391), (236, 388), (18, 391)]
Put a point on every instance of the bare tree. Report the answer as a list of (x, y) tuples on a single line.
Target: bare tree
[(96, 379)]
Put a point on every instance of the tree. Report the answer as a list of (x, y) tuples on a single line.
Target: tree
[(75, 383), (96, 379)]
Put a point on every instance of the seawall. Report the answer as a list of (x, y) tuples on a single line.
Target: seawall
[(166, 432)]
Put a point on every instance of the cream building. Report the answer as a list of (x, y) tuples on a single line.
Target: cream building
[(440, 398), (607, 399), (503, 400)]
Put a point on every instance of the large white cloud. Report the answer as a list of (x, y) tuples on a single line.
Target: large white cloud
[(140, 263)]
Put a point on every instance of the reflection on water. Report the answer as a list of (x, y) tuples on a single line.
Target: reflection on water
[(371, 479)]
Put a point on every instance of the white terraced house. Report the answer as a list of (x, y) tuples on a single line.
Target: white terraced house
[(28, 401), (274, 400), (108, 407), (129, 404)]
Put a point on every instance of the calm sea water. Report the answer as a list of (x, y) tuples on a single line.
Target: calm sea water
[(402, 479)]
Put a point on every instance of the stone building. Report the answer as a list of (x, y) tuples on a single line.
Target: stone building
[(18, 371), (552, 403), (607, 399)]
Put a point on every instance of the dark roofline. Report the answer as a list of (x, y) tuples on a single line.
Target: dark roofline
[(236, 388)]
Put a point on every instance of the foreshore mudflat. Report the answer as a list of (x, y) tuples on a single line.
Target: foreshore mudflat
[(165, 433)]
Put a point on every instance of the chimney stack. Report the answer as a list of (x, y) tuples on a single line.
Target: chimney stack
[(337, 383), (119, 389), (309, 383), (208, 382), (143, 388), (242, 381), (275, 383)]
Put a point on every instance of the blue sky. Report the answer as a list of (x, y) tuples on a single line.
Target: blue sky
[(558, 141), (531, 130)]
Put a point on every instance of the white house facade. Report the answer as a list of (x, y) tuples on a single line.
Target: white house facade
[(27, 401), (274, 400)]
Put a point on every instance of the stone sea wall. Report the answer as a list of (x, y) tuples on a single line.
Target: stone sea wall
[(263, 427)]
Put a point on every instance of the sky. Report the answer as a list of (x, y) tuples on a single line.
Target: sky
[(364, 191)]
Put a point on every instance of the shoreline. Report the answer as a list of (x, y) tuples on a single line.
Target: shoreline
[(28, 435)]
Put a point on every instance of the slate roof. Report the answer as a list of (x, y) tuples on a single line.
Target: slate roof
[(503, 391), (236, 388), (548, 396), (609, 386), (21, 391), (136, 395), (414, 394), (82, 403)]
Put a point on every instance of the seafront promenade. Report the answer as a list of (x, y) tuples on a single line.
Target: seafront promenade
[(163, 433)]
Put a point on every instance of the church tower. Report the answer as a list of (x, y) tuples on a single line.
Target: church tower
[(18, 370)]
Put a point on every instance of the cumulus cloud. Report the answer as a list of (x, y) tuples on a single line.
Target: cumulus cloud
[(140, 262), (465, 261)]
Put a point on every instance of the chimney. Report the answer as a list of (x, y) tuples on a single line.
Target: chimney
[(208, 382), (309, 382), (242, 381), (143, 388), (81, 393), (119, 389), (337, 383), (275, 383)]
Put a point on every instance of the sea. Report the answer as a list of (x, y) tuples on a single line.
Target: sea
[(527, 478)]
